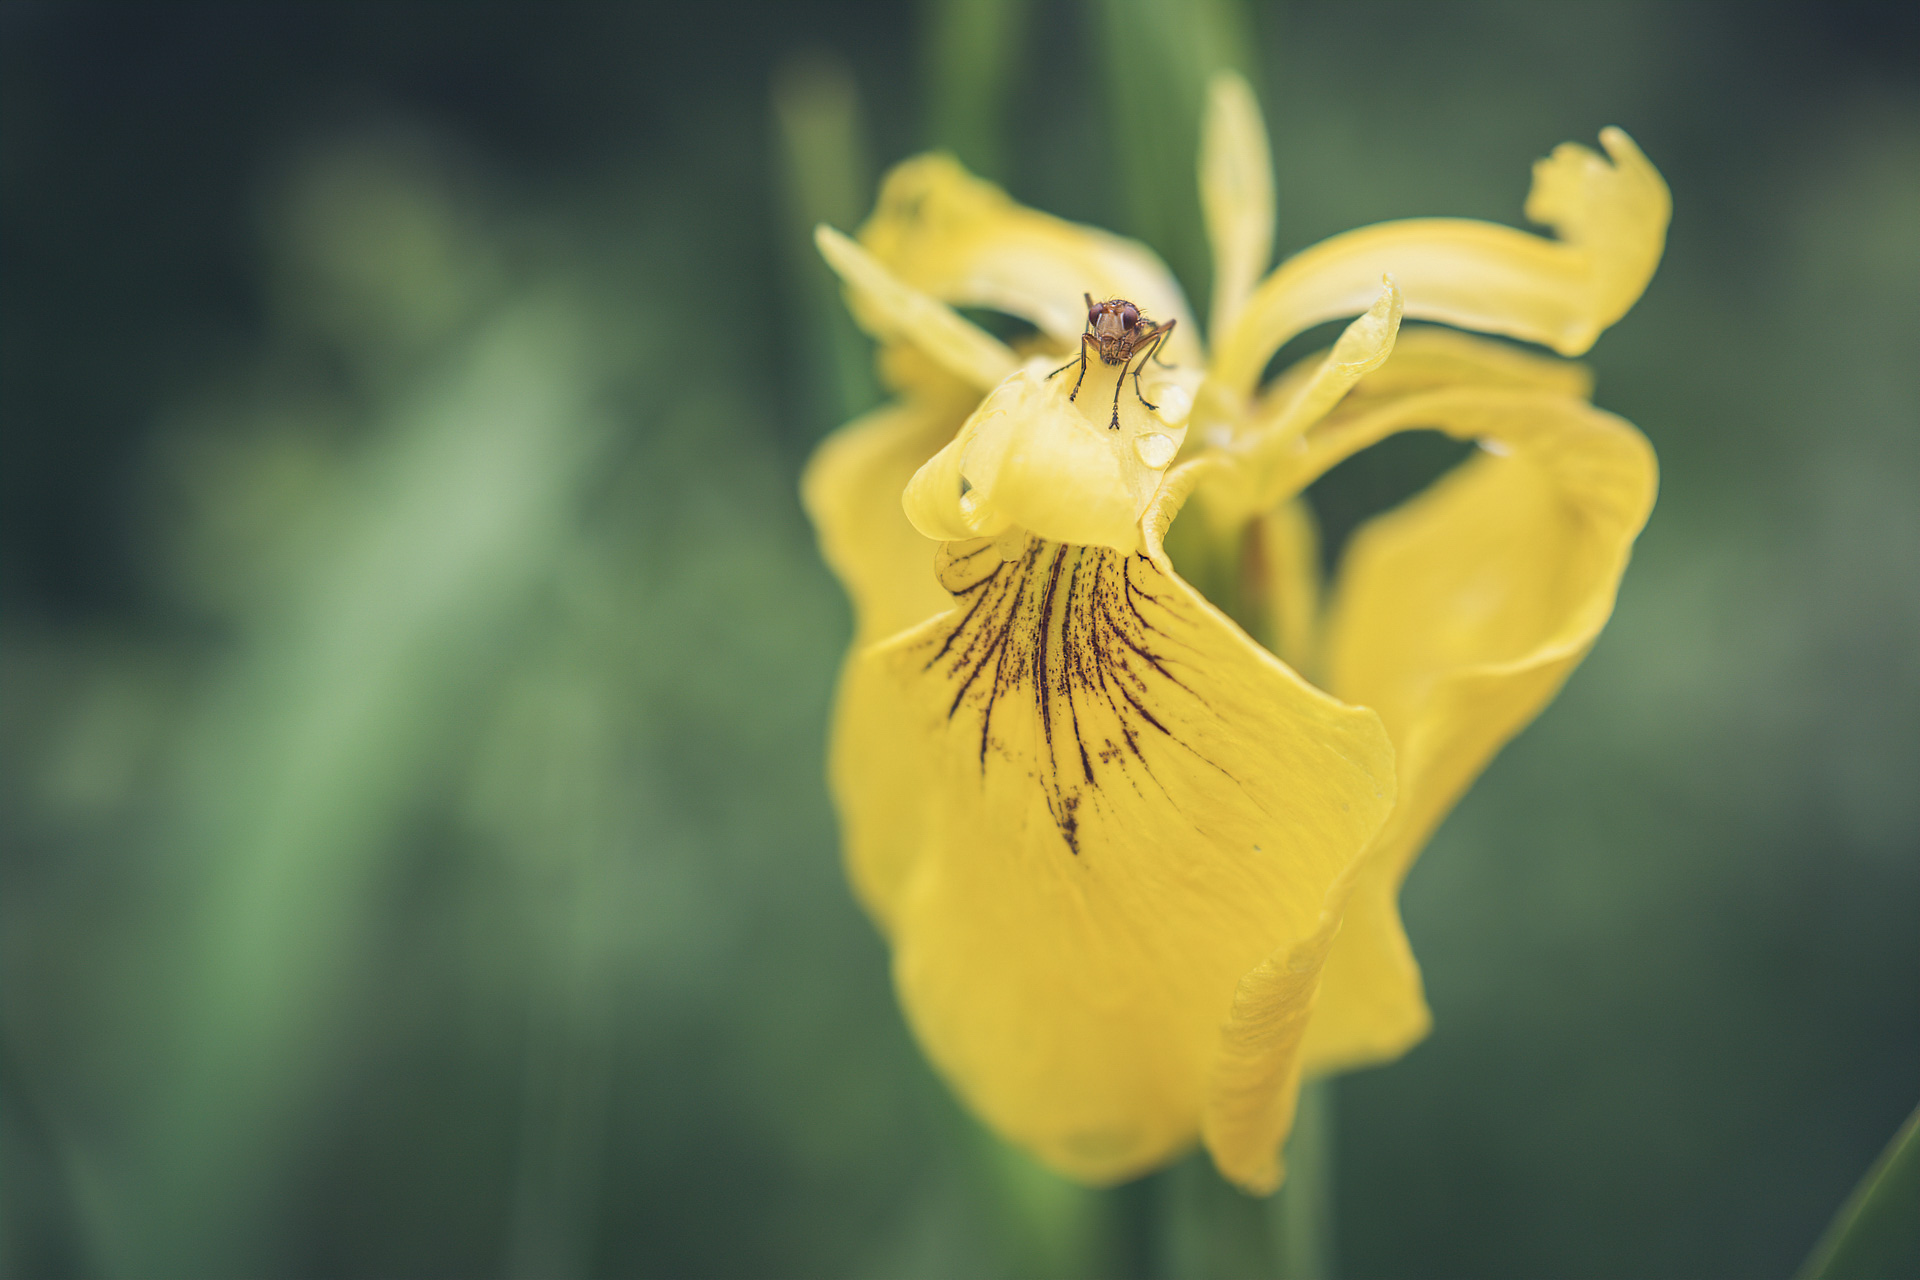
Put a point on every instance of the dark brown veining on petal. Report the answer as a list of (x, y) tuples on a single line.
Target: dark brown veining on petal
[(1081, 639)]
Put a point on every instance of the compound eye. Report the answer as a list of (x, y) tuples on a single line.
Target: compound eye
[(1129, 314), (1094, 312)]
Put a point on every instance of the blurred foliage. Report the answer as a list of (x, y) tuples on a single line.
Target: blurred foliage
[(415, 854), (1876, 1233)]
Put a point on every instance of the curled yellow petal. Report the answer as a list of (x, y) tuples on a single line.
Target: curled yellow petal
[(1130, 806), (1611, 218), (1236, 195), (894, 311), (1458, 616), (1363, 347), (963, 240), (1070, 465), (1253, 473)]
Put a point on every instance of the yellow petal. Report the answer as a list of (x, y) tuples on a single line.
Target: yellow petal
[(1286, 549), (1430, 359), (851, 490), (1236, 194), (1458, 616), (1611, 219), (1372, 1005), (879, 778), (1252, 467), (894, 311), (1132, 805), (1039, 455), (961, 239), (1363, 347), (910, 373), (1265, 573), (1255, 1087)]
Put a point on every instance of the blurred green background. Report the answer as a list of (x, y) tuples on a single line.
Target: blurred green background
[(416, 859)]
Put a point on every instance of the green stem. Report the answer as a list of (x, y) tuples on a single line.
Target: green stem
[(1301, 1212), (972, 52), (826, 177), (1201, 1228)]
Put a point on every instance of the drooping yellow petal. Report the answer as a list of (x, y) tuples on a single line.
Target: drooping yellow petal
[(894, 311), (1070, 466), (1611, 220), (1132, 805), (1236, 195), (962, 240), (1458, 616), (851, 491)]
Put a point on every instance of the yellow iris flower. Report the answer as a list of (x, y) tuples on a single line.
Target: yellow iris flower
[(1139, 873)]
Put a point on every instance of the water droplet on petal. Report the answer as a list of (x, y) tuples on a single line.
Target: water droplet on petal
[(1174, 404), (1155, 449)]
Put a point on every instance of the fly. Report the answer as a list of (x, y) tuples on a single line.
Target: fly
[(1118, 332)]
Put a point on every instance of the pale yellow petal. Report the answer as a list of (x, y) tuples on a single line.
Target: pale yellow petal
[(1236, 195), (1611, 220), (894, 311), (1132, 805), (880, 776), (1426, 358), (1265, 573), (851, 489), (1072, 459), (1363, 347), (909, 372), (962, 239), (1253, 467), (1458, 616)]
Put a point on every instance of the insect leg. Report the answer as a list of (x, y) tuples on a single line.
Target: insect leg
[(1152, 351), (1161, 331), (1085, 338)]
